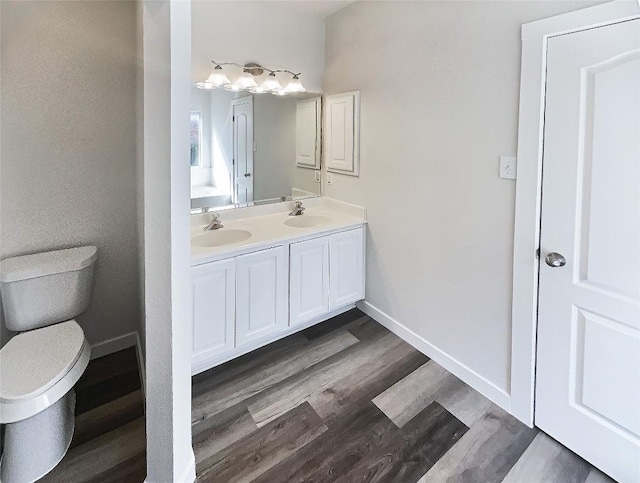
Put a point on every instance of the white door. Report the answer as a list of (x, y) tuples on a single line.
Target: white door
[(309, 280), (588, 364), (214, 289), (243, 149), (262, 294), (346, 269)]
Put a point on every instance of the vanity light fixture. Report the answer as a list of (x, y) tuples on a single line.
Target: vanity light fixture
[(271, 83), (247, 80), (295, 85), (216, 79)]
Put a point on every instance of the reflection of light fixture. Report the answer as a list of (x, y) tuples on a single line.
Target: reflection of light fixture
[(295, 85), (271, 83), (218, 77), (205, 85), (247, 80)]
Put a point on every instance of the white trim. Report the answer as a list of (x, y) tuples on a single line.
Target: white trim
[(529, 187), (189, 473), (457, 368), (116, 344), (132, 339), (141, 367)]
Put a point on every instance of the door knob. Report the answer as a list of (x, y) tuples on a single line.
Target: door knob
[(555, 260), (247, 175)]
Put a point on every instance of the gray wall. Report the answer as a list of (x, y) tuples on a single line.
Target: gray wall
[(68, 147), (439, 83)]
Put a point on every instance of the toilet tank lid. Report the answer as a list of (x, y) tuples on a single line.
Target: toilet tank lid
[(24, 267)]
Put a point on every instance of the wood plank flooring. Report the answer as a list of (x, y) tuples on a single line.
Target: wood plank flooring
[(348, 401), (343, 401), (109, 439)]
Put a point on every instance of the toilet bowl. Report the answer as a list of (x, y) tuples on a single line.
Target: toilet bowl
[(41, 294)]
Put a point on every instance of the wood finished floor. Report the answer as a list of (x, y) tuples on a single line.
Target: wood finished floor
[(343, 401), (348, 401), (109, 440)]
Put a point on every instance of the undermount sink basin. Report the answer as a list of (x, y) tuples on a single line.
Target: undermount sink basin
[(221, 237), (307, 221)]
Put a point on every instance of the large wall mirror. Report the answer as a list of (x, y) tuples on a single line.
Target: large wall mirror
[(253, 148)]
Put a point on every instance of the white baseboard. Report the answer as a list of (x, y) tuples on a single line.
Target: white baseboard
[(141, 367), (189, 473), (457, 368), (114, 345), (132, 339)]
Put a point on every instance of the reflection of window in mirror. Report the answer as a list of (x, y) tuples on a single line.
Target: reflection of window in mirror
[(196, 139)]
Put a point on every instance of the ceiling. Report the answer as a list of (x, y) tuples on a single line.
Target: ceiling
[(316, 8)]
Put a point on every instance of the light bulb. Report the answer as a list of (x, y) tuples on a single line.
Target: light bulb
[(246, 80), (295, 85), (271, 83), (279, 92), (218, 77), (258, 90), (232, 87)]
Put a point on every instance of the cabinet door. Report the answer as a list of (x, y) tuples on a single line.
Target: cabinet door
[(214, 287), (309, 280), (308, 133), (346, 268), (342, 133), (262, 294)]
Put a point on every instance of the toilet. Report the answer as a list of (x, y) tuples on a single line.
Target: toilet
[(41, 295)]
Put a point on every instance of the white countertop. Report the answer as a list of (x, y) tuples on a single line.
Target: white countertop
[(267, 226)]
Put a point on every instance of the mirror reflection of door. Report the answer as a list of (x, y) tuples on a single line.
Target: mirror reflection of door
[(243, 149)]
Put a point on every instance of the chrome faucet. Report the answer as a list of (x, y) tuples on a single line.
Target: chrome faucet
[(215, 223), (298, 209)]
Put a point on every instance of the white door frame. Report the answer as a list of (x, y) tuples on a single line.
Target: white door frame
[(524, 314)]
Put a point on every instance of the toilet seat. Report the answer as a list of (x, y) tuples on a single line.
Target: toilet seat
[(39, 367)]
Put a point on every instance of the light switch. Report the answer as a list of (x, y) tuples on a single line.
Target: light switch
[(508, 167)]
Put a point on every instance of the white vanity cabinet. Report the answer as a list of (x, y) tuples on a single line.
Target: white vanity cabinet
[(249, 300), (347, 270), (261, 294), (214, 306), (309, 280)]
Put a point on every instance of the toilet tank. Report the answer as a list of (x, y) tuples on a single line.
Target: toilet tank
[(46, 288)]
